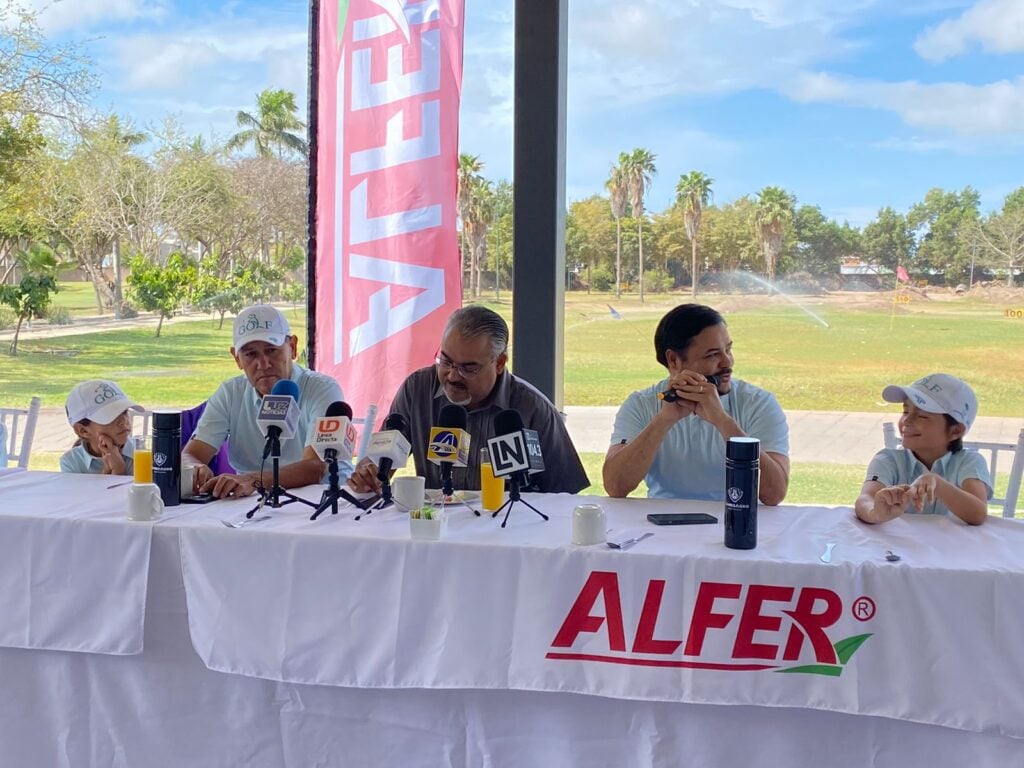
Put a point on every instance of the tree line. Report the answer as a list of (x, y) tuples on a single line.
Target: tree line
[(613, 242), (155, 219)]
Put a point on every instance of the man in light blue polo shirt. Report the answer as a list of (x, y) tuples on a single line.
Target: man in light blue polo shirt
[(679, 447), (265, 350)]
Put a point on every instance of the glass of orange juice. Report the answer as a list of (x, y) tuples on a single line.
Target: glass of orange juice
[(143, 459), (492, 489)]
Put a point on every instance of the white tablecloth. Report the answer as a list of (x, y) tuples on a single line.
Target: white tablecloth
[(164, 707), (677, 618), (73, 568)]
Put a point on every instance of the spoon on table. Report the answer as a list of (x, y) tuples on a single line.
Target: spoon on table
[(243, 523), (827, 556)]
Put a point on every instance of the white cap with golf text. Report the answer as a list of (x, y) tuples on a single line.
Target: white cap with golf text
[(260, 322), (99, 401), (938, 393)]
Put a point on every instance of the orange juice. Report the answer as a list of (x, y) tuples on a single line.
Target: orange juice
[(143, 458), (492, 489)]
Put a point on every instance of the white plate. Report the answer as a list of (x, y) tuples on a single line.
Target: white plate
[(434, 496)]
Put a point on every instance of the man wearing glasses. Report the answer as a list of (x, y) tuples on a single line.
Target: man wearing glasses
[(470, 371)]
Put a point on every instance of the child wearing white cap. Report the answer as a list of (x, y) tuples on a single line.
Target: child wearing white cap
[(98, 411), (932, 473)]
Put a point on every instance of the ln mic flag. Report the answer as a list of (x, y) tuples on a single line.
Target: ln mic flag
[(386, 270)]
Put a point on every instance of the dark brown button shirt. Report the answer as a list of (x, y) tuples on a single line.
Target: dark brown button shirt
[(421, 398)]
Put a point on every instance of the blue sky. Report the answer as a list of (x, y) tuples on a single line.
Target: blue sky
[(848, 104)]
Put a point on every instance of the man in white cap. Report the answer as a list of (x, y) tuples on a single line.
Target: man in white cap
[(932, 473), (100, 414), (265, 350)]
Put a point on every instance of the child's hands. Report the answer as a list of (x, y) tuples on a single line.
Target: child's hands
[(892, 502), (113, 461), (922, 490)]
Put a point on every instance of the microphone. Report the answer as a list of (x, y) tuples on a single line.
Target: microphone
[(670, 396), (515, 451), (516, 454), (449, 443), (279, 414), (389, 449), (334, 440), (334, 437)]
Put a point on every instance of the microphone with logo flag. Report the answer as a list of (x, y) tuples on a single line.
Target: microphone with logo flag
[(516, 454), (449, 444), (334, 439), (278, 419), (279, 416), (389, 449)]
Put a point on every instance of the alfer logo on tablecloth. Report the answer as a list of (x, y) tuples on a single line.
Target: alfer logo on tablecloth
[(731, 627)]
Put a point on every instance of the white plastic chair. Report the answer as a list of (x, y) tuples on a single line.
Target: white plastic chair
[(367, 432), (140, 423), (20, 421), (1009, 503)]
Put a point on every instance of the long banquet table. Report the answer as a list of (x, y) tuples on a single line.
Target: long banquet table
[(345, 643)]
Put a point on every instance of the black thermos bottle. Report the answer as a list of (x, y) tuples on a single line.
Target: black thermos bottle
[(167, 455), (742, 470)]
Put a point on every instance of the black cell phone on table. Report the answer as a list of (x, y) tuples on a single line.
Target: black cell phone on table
[(199, 498), (681, 518)]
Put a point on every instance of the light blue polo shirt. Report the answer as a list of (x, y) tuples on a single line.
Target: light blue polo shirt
[(231, 415), (690, 464), (897, 466), (80, 461)]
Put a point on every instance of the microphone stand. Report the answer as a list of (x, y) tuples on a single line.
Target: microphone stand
[(272, 497), (330, 496), (448, 490), (513, 497)]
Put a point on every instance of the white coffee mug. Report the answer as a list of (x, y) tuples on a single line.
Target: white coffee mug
[(589, 524), (409, 491), (144, 502), (187, 476)]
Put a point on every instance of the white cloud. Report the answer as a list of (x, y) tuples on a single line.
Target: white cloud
[(60, 15), (990, 109), (998, 25), (651, 49)]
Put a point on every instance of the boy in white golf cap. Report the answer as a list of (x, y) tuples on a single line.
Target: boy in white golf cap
[(264, 348), (99, 413), (932, 473)]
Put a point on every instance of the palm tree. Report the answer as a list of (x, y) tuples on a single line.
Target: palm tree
[(272, 126), (480, 217), (693, 193), (468, 175), (616, 186), (638, 166), (772, 215)]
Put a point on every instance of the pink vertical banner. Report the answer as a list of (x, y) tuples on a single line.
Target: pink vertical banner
[(387, 261)]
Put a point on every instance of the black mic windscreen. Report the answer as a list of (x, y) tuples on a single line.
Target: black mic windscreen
[(507, 421), (339, 408), (397, 422), (453, 416)]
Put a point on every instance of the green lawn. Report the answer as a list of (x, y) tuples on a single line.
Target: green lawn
[(181, 368), (809, 367), (77, 298)]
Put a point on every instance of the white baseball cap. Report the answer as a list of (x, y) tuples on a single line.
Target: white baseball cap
[(938, 393), (98, 400), (260, 322)]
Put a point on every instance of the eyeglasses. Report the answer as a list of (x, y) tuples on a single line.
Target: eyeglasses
[(465, 371)]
